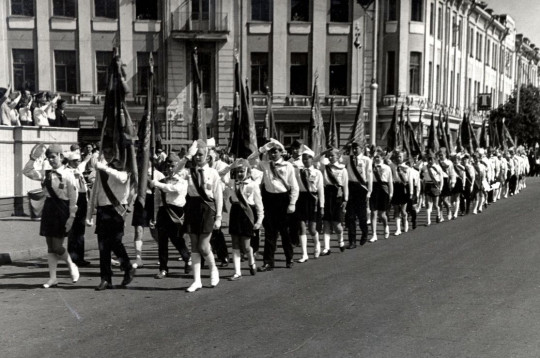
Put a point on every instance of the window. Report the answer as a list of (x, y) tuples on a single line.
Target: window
[(259, 72), (22, 7), (64, 8), (338, 74), (391, 72), (479, 40), (494, 53), (440, 24), (103, 60), (430, 81), (105, 8), (391, 10), (65, 64), (206, 72), (460, 33), (432, 19), (414, 72), (416, 10), (299, 74), (471, 42), (261, 10), (299, 10), (469, 93), (488, 48), (454, 31), (437, 84), (458, 96), (143, 70), (146, 10), (339, 11), (24, 70), (451, 88)]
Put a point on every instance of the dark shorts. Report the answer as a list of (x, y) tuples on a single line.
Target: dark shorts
[(332, 204), (142, 216), (445, 191), (432, 190), (458, 187)]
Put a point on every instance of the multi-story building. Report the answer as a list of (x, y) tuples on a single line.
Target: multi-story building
[(440, 55), (431, 54)]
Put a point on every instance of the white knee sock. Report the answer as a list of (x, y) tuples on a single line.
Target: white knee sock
[(326, 241), (303, 243), (236, 260), (196, 266)]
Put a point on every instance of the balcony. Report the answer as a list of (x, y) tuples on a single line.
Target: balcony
[(212, 26)]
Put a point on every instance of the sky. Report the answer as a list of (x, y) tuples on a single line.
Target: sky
[(526, 13)]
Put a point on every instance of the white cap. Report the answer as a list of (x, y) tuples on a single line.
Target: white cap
[(305, 150)]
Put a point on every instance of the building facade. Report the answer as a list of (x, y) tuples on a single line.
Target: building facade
[(431, 55)]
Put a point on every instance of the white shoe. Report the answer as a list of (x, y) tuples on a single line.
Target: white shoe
[(373, 238), (397, 233), (115, 262), (194, 287), (317, 253), (51, 283), (387, 232), (214, 278), (303, 259), (406, 226), (139, 261)]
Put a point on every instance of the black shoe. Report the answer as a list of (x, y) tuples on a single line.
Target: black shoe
[(104, 285), (342, 248), (128, 276), (289, 264), (363, 240), (351, 246), (414, 225), (265, 268), (82, 263), (326, 253), (224, 263), (253, 269), (161, 274)]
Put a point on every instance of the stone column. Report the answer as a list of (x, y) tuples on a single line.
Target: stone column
[(84, 37), (45, 67), (279, 51)]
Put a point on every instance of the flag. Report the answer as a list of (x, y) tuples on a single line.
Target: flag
[(391, 136), (316, 137), (459, 146), (332, 140), (412, 142), (433, 140), (145, 148), (118, 132), (474, 140), (243, 135), (420, 132), (447, 134), (443, 141), (466, 134), (494, 134), (269, 130), (197, 120), (484, 138), (507, 136), (401, 129), (358, 131)]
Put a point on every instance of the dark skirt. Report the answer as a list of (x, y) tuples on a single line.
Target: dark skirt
[(108, 221), (445, 191), (458, 187), (306, 206), (380, 197), (200, 216), (332, 204), (432, 190), (142, 216), (239, 223), (164, 220), (54, 218), (400, 196)]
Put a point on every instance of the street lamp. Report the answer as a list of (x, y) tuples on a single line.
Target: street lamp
[(374, 86)]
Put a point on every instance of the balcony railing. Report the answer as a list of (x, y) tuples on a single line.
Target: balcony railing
[(205, 22)]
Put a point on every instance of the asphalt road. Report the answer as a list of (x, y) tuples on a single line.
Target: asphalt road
[(466, 288)]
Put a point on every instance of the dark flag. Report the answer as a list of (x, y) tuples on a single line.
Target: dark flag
[(198, 120), (316, 137), (507, 137), (412, 142), (443, 141), (420, 132), (459, 146), (391, 136), (466, 134), (433, 140), (401, 129), (358, 131), (474, 140), (118, 131), (484, 138), (243, 135), (146, 146), (269, 130), (332, 140), (494, 134), (447, 134)]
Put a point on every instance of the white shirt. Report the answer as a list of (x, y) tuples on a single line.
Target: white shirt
[(118, 181), (251, 192), (62, 183), (274, 185), (315, 182), (40, 116), (175, 189), (364, 166)]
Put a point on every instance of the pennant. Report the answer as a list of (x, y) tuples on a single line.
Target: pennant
[(358, 131), (269, 130), (332, 140), (198, 120), (433, 140), (391, 136)]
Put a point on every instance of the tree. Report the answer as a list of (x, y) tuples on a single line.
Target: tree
[(524, 125)]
